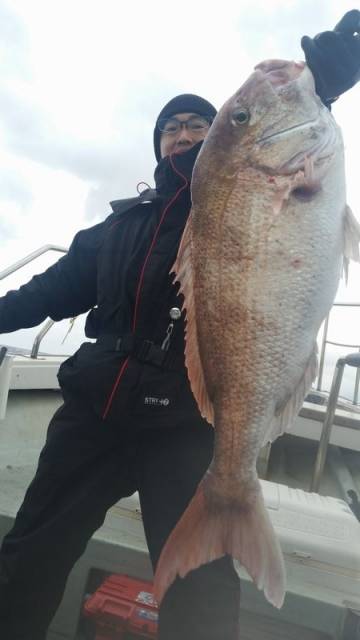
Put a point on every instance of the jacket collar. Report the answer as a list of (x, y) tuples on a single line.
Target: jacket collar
[(120, 206), (170, 174), (172, 171)]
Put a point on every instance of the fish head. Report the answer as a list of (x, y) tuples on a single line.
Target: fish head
[(274, 122)]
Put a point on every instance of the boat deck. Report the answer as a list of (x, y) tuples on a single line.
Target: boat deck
[(311, 612), (120, 547)]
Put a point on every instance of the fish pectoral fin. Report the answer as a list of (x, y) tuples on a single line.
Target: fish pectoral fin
[(288, 408), (351, 240), (184, 275)]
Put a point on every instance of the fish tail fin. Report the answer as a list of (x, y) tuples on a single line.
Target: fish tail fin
[(255, 546), (208, 530)]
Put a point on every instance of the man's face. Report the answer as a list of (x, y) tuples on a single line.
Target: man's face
[(180, 138)]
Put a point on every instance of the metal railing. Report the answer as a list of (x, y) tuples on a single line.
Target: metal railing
[(52, 247), (324, 344), (32, 256), (18, 265), (352, 360)]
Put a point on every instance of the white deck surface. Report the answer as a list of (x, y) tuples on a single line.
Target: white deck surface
[(314, 607)]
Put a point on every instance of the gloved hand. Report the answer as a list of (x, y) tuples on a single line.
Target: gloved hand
[(334, 57)]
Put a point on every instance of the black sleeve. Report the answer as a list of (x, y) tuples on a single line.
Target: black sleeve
[(334, 57), (66, 289)]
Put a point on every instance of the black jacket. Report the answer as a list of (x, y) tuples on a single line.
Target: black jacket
[(120, 269)]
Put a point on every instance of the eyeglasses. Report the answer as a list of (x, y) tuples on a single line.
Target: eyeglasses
[(173, 125)]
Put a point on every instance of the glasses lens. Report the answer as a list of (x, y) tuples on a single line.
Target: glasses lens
[(172, 125), (169, 125), (198, 123)]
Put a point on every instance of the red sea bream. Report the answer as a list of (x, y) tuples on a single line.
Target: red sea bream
[(259, 264)]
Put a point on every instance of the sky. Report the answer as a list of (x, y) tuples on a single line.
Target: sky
[(81, 85)]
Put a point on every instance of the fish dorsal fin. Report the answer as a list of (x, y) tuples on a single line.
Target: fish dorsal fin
[(351, 240), (289, 407), (184, 275)]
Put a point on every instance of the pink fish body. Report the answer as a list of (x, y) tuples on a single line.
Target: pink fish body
[(259, 265)]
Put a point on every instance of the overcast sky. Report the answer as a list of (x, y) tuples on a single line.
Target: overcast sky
[(81, 84)]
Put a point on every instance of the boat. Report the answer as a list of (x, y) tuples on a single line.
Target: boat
[(311, 484)]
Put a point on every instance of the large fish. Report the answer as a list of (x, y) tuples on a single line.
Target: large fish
[(259, 265)]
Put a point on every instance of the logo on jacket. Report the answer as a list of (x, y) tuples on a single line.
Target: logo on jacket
[(156, 402)]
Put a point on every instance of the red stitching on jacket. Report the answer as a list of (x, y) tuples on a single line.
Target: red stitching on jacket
[(140, 284), (115, 386), (137, 299)]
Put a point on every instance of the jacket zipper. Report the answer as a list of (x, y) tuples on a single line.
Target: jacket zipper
[(139, 288)]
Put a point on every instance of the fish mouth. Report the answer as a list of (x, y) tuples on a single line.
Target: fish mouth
[(280, 72), (284, 132), (321, 150)]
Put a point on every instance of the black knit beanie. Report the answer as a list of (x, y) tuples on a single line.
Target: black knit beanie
[(185, 103)]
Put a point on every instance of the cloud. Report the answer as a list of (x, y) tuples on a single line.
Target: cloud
[(108, 165), (12, 188), (90, 111), (79, 98), (30, 132), (13, 44), (15, 200), (6, 228)]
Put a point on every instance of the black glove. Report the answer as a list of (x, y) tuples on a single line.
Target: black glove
[(334, 57)]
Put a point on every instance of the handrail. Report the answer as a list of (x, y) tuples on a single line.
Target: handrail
[(18, 265), (35, 254), (38, 338), (52, 247), (325, 342)]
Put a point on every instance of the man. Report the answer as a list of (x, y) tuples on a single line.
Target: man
[(129, 421)]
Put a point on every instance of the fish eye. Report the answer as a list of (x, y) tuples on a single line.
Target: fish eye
[(240, 116)]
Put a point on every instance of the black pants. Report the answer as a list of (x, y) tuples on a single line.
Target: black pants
[(85, 467)]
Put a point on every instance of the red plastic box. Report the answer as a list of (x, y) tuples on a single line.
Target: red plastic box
[(123, 605)]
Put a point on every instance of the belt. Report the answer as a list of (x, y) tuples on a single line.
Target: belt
[(142, 350)]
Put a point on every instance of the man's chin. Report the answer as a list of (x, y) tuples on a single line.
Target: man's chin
[(182, 149)]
